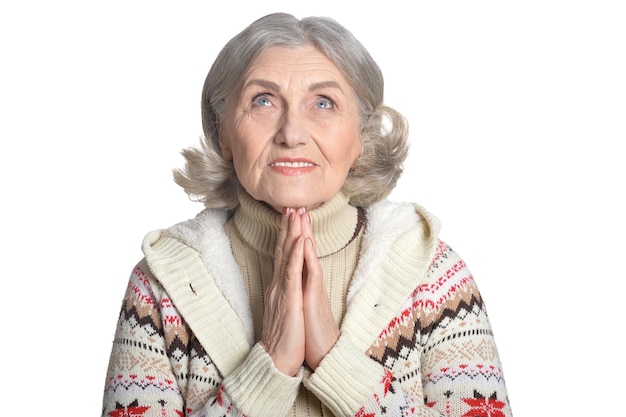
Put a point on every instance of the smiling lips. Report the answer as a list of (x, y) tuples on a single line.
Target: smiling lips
[(292, 167)]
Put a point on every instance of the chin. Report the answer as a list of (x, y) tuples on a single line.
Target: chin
[(292, 197), (295, 202)]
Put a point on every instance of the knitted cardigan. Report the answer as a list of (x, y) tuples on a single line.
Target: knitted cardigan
[(415, 339)]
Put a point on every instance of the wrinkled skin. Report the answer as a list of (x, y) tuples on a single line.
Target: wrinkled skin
[(298, 323)]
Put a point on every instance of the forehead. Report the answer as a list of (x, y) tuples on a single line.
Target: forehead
[(306, 62)]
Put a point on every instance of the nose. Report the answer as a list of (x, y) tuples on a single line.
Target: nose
[(292, 130)]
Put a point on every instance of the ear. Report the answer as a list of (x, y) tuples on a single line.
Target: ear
[(227, 153)]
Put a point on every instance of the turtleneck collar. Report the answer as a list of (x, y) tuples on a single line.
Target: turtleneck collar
[(334, 224)]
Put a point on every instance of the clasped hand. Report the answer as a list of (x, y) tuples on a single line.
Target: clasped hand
[(298, 324)]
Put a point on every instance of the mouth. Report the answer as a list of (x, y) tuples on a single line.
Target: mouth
[(292, 167), (292, 164)]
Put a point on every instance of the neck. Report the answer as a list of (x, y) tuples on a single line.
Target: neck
[(334, 224)]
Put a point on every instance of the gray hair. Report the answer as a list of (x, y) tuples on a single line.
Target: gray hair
[(208, 178)]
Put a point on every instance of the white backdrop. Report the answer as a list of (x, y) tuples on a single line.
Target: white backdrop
[(517, 113)]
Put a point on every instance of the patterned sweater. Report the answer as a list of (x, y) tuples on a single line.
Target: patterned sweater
[(415, 338)]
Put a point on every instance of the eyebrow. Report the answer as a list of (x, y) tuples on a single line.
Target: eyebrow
[(325, 84), (262, 83), (273, 86)]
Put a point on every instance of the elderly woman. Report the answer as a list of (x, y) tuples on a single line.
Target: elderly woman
[(300, 290)]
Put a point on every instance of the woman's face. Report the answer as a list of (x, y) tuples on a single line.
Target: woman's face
[(292, 128)]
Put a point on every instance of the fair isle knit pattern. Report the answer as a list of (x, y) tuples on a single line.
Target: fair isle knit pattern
[(436, 356), (445, 327)]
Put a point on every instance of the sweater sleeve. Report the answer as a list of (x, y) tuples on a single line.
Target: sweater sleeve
[(351, 384), (437, 357), (461, 371), (158, 368)]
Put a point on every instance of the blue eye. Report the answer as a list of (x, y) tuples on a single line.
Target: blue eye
[(262, 100), (324, 103)]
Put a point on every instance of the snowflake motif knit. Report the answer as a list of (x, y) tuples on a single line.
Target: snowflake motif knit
[(415, 336)]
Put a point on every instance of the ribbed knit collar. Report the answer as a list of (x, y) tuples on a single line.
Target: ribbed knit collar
[(334, 224)]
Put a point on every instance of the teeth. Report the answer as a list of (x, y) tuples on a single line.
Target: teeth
[(292, 164)]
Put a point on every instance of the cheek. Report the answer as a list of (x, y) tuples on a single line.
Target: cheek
[(245, 175), (241, 148), (242, 163), (353, 150), (246, 159)]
